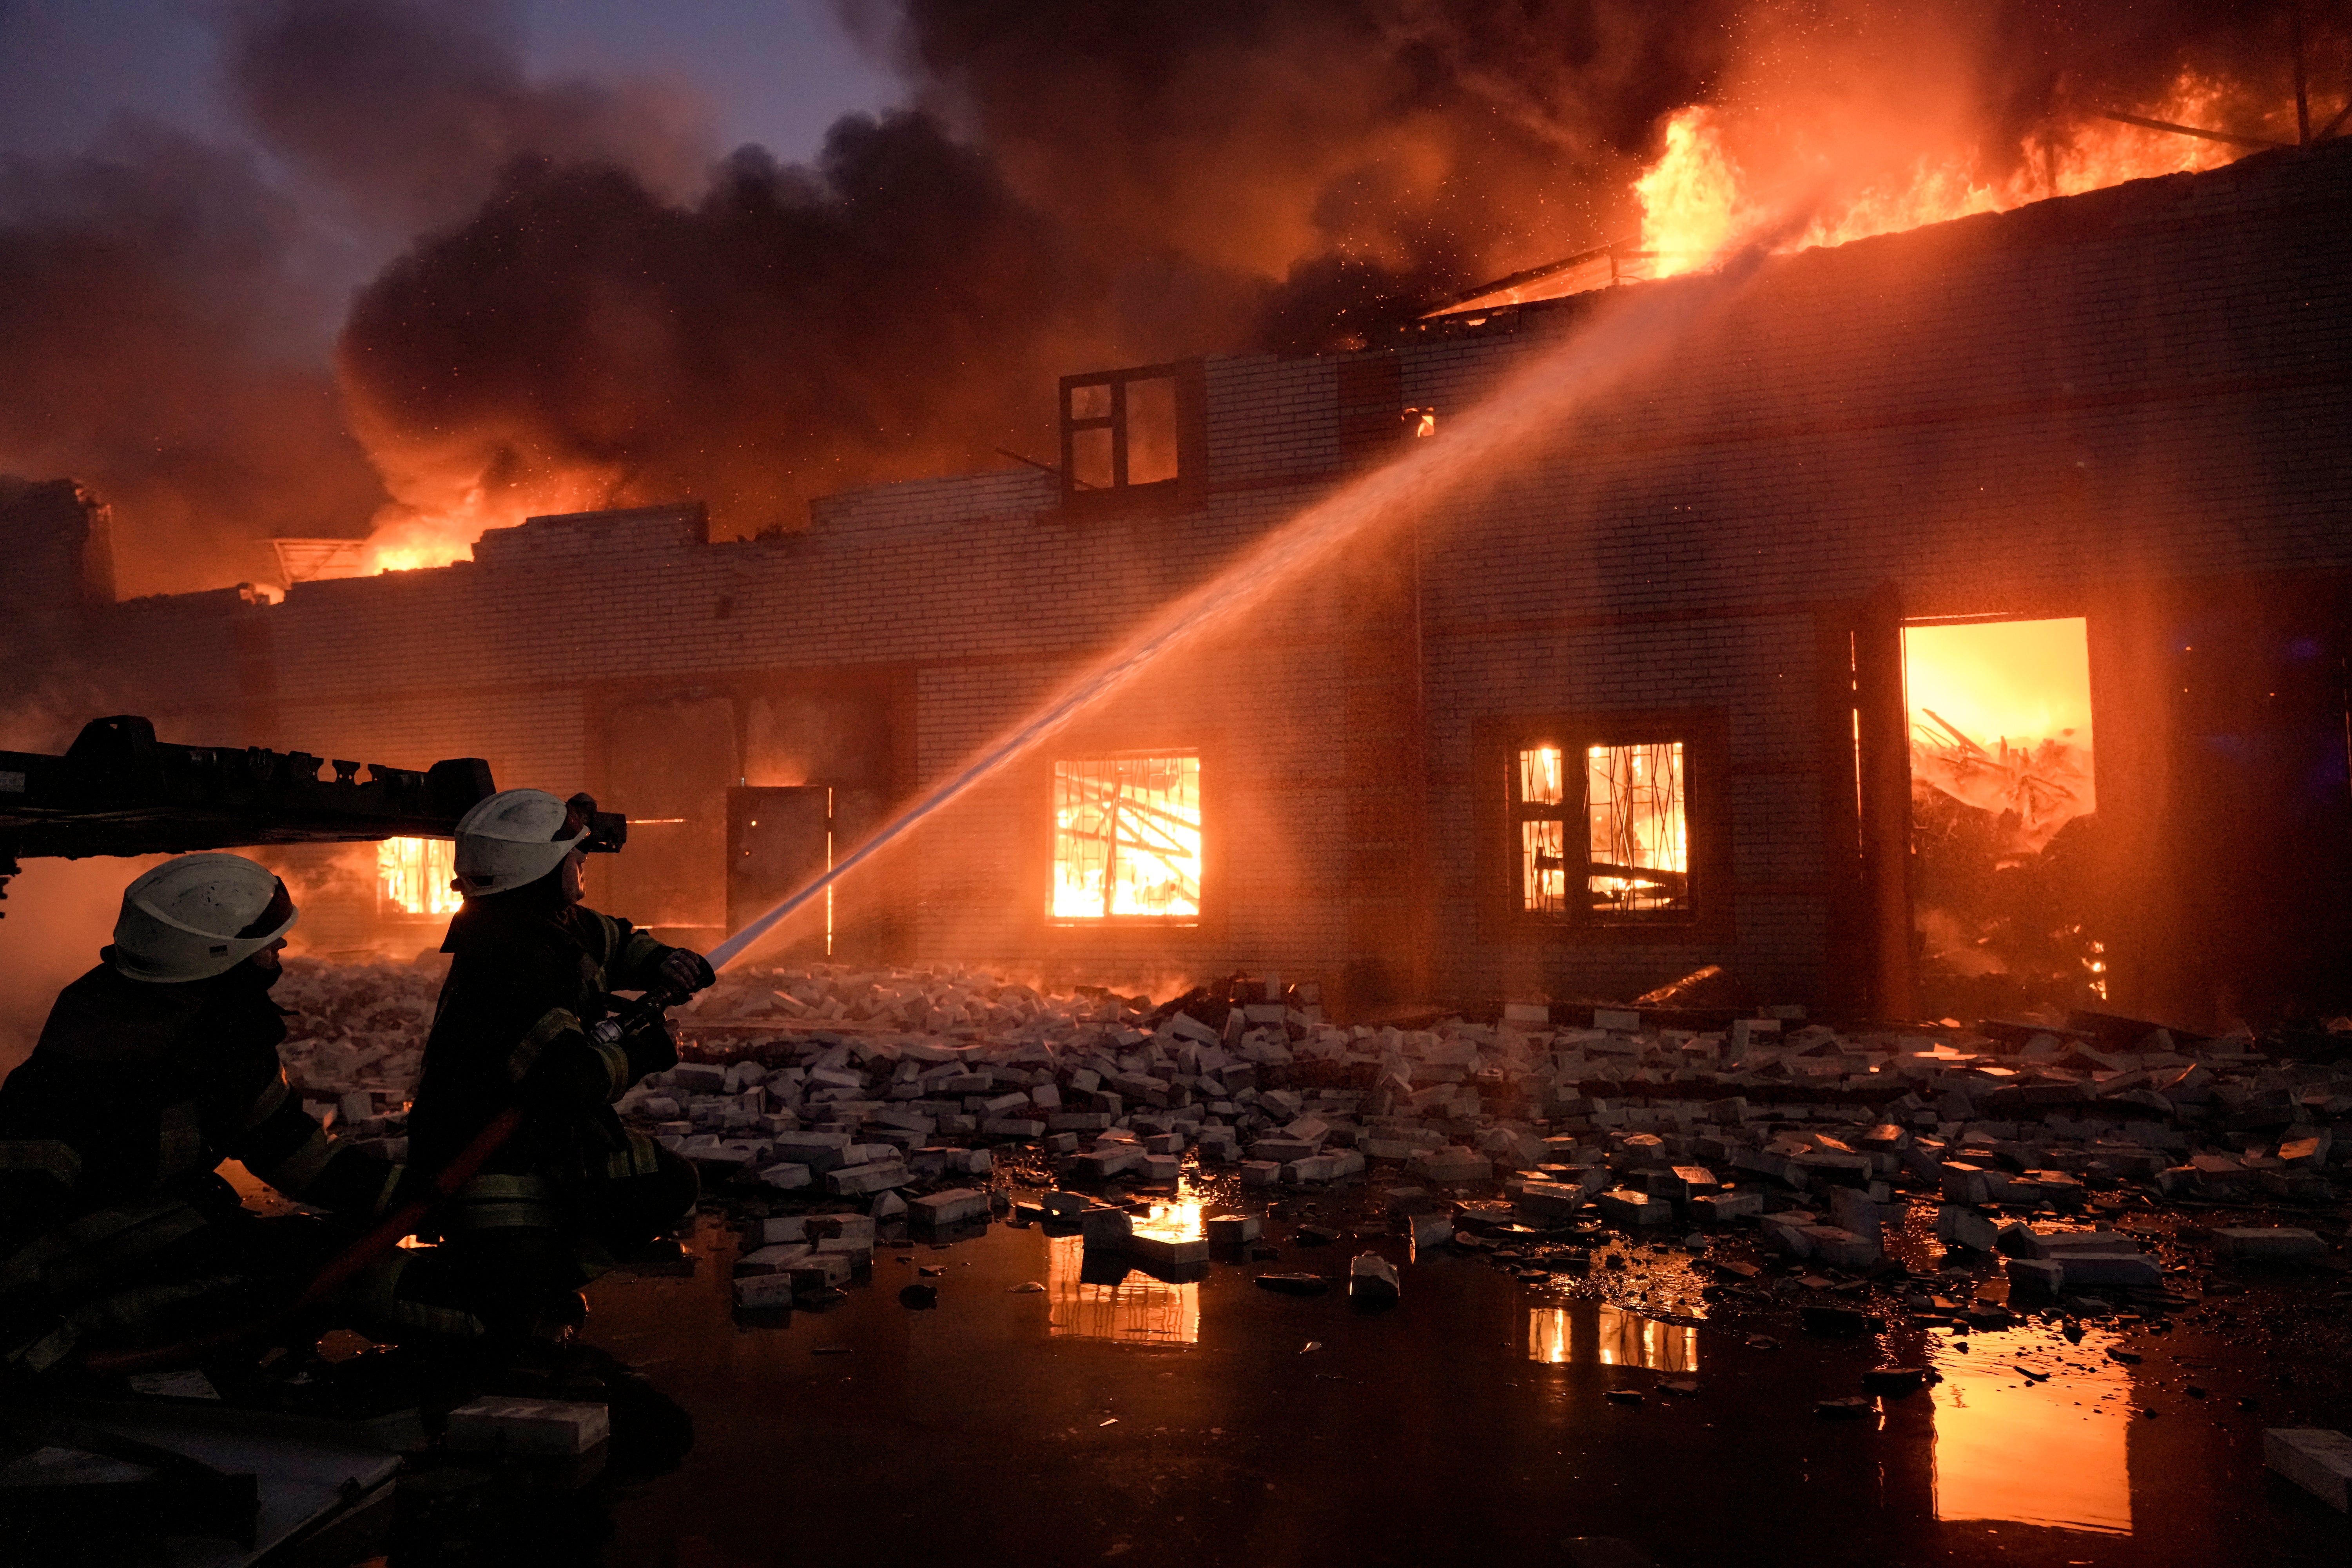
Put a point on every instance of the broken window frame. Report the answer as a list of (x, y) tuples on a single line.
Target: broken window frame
[(1703, 734), (1054, 775), (1188, 377)]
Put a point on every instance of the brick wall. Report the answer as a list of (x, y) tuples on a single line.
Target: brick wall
[(2003, 414)]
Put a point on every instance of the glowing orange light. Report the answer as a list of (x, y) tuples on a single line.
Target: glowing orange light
[(414, 875), (1691, 204), (1127, 837), (1697, 201)]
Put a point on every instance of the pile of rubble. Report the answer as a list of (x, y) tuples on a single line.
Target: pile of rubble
[(355, 1041), (876, 1086)]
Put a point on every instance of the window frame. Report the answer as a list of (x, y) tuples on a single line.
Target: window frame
[(1189, 377), (1077, 923), (1704, 736)]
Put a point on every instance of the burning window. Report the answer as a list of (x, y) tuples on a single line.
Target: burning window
[(1127, 837), (1124, 431), (1633, 846), (413, 876)]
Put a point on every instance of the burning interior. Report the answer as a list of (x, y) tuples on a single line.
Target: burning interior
[(2003, 797), (1127, 837), (417, 877), (1774, 736), (1634, 856)]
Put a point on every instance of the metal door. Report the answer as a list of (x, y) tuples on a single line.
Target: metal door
[(779, 839)]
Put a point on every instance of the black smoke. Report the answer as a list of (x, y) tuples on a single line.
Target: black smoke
[(589, 301), (159, 344), (794, 330)]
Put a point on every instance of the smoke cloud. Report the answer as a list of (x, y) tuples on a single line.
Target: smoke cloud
[(412, 109), (590, 305), (159, 344)]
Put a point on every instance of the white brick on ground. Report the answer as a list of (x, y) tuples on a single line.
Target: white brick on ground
[(2316, 1459), (859, 1084), (498, 1424)]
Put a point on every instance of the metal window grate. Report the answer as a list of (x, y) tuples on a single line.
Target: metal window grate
[(1641, 835), (1127, 837), (1633, 858)]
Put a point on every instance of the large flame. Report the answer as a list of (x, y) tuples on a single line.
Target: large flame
[(1691, 203), (1699, 202), (439, 534), (445, 498)]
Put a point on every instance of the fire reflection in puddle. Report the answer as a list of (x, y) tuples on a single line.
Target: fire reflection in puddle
[(2047, 1449), (1609, 1336), (1100, 1296)]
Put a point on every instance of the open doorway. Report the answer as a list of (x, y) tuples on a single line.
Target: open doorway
[(2003, 803)]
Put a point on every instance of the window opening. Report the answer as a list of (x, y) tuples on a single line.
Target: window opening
[(1641, 834), (2002, 802), (1632, 856), (1127, 837), (1543, 832), (1122, 430), (1150, 430), (413, 876)]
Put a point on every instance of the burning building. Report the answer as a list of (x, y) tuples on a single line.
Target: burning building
[(1955, 619)]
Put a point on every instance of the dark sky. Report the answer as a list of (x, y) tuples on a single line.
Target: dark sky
[(773, 71)]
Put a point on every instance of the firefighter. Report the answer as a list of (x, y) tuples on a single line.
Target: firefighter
[(153, 1067), (533, 971)]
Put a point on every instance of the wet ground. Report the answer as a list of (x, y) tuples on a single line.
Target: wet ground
[(1501, 1411)]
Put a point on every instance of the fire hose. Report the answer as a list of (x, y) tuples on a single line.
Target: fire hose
[(387, 1234)]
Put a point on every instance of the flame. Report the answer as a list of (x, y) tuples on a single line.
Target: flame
[(441, 516), (414, 875), (1633, 799), (1691, 204), (406, 540), (1127, 837), (1697, 201)]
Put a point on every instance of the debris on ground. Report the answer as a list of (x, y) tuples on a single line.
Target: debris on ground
[(2069, 1166)]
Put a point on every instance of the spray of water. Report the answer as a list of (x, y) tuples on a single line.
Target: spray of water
[(1535, 401)]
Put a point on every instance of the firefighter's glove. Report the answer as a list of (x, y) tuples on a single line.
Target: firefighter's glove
[(687, 971), (650, 1048)]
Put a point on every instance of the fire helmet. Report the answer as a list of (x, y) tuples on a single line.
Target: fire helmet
[(197, 916), (513, 839)]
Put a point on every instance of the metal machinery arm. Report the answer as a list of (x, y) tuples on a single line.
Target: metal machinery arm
[(120, 791)]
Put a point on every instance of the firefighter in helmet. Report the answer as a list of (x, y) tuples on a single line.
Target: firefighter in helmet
[(533, 972), (115, 1228)]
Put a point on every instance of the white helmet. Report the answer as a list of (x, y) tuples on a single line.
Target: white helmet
[(198, 916), (513, 839)]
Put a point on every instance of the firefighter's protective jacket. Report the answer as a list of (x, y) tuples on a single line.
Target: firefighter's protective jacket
[(111, 1216), (137, 1089), (526, 987)]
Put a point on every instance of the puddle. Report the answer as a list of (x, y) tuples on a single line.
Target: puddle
[(2049, 1449), (1598, 1334), (1102, 1297)]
